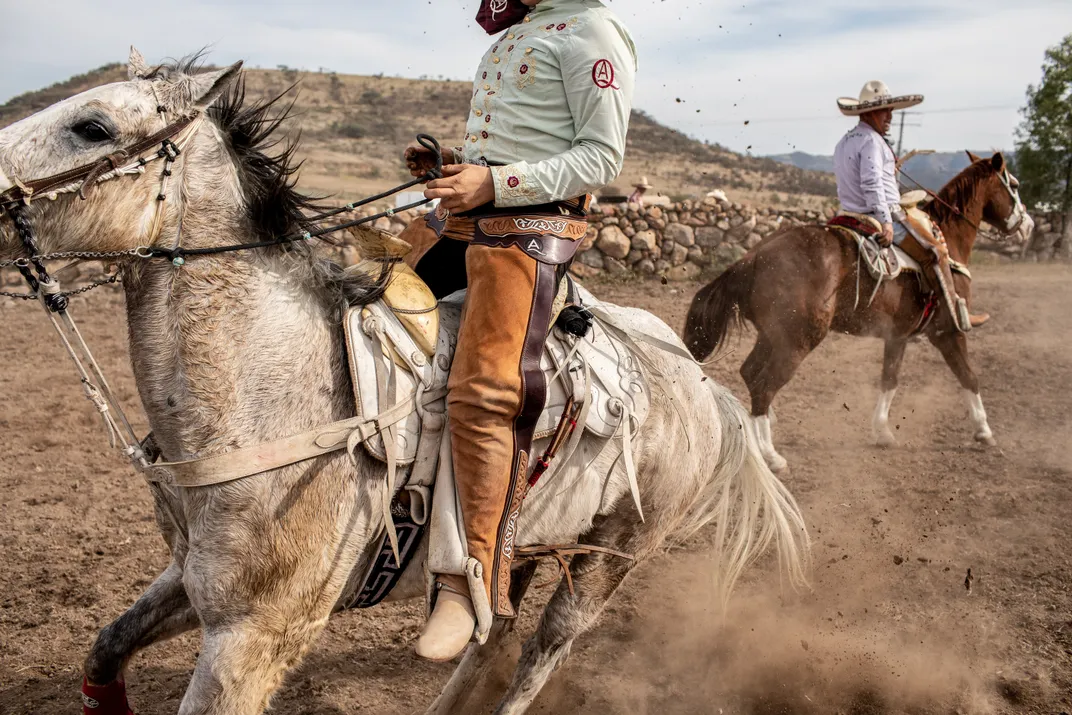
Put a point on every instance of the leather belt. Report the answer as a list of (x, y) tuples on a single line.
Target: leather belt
[(549, 233)]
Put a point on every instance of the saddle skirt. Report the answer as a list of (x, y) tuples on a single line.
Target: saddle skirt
[(404, 371)]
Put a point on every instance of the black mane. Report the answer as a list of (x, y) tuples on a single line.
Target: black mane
[(267, 169)]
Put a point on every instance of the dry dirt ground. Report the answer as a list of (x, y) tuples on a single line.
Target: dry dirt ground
[(888, 626)]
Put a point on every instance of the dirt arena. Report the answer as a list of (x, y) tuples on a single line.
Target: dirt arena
[(888, 627)]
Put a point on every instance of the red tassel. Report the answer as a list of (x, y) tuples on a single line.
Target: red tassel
[(110, 699)]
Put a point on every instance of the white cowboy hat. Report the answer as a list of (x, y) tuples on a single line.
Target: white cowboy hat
[(643, 184), (876, 95)]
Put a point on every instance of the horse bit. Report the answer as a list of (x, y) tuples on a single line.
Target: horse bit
[(132, 161)]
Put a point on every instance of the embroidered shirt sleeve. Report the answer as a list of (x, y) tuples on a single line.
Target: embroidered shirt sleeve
[(598, 67), (872, 178)]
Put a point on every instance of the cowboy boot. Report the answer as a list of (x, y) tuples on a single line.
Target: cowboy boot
[(495, 395), (976, 320), (110, 699), (938, 277)]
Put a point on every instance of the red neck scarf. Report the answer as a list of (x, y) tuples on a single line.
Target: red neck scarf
[(497, 15)]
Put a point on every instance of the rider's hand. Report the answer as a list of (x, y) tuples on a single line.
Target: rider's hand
[(886, 237), (463, 187), (420, 160)]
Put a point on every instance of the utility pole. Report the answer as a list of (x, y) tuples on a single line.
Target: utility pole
[(900, 131)]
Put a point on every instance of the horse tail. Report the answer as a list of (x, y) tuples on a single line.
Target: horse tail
[(751, 506), (717, 309)]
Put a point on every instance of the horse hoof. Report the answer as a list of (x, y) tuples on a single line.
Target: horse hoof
[(777, 463), (885, 440), (987, 440)]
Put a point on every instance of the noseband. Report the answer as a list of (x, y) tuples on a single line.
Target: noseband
[(81, 180)]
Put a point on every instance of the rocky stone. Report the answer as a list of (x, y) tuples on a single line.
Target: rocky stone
[(709, 236), (635, 257), (589, 239), (613, 242), (614, 267), (644, 241), (678, 254), (629, 231), (681, 234), (736, 221), (662, 266), (646, 267), (582, 271), (696, 255), (723, 224), (741, 230), (727, 253), (752, 240), (348, 255), (684, 272), (593, 259), (609, 221), (655, 212), (641, 225), (383, 223), (658, 223)]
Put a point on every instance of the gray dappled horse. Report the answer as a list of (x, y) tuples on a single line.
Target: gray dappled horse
[(234, 350)]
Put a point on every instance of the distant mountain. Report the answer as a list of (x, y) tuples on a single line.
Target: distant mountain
[(354, 128), (931, 170)]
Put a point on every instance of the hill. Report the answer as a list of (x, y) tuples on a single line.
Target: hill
[(353, 129), (930, 170)]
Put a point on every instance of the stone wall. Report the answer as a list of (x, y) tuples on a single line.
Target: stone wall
[(678, 241)]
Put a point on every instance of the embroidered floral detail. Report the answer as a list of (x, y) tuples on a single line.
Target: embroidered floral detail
[(561, 27), (498, 76), (525, 72), (510, 48), (491, 93), (487, 118), (484, 134), (485, 76), (512, 187)]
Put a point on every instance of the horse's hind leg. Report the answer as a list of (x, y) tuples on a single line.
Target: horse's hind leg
[(892, 356), (595, 578), (478, 657), (768, 369), (162, 612), (954, 348)]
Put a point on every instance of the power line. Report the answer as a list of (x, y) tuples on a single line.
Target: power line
[(827, 117)]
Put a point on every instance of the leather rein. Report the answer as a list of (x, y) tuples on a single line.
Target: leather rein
[(1019, 212), (133, 160)]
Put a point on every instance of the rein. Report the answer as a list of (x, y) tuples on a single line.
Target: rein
[(13, 202), (1018, 210)]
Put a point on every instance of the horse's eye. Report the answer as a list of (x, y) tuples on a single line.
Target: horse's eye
[(92, 131), (1014, 182)]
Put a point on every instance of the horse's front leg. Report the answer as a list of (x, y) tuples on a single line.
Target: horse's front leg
[(265, 584), (954, 348), (892, 356), (162, 612)]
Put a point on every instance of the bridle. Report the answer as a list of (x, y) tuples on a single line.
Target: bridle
[(169, 143), (1013, 221)]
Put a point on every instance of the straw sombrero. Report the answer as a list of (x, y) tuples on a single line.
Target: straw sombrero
[(876, 95), (643, 183)]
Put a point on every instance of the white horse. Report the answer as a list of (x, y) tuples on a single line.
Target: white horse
[(237, 349)]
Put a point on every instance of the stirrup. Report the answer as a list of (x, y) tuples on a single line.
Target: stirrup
[(963, 317)]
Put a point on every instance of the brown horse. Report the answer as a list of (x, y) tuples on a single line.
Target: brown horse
[(801, 282)]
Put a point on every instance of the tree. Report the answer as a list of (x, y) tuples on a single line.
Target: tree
[(1044, 139)]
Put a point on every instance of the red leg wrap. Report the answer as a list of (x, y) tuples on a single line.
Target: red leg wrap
[(110, 699)]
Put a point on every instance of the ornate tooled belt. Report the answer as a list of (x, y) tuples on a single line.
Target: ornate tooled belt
[(549, 233)]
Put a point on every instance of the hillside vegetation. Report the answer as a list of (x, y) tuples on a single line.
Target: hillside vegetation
[(353, 129)]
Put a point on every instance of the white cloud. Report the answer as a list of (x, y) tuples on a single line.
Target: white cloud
[(759, 61)]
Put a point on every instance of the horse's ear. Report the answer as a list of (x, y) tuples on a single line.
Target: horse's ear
[(998, 162), (206, 88), (136, 67), (972, 157)]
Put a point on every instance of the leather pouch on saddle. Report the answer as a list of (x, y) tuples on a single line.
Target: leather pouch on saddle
[(924, 243)]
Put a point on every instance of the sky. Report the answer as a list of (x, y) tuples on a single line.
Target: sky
[(706, 67)]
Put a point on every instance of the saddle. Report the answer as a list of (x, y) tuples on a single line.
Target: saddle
[(595, 380)]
